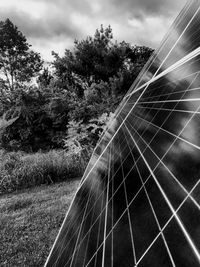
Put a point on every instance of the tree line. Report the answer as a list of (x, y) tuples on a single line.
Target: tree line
[(82, 87)]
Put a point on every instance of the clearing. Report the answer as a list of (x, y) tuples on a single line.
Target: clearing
[(29, 222)]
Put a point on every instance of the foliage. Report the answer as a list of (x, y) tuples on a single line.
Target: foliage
[(41, 123), (85, 83), (98, 99), (5, 123), (82, 137), (18, 63), (98, 59), (132, 65), (20, 170), (44, 78)]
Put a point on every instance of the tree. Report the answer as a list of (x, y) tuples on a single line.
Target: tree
[(98, 59), (94, 59), (85, 83), (44, 78), (18, 63), (41, 121)]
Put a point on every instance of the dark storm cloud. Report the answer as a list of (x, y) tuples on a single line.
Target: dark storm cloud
[(56, 21), (45, 27), (83, 5), (140, 8)]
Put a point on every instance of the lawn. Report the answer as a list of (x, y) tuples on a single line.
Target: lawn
[(29, 222)]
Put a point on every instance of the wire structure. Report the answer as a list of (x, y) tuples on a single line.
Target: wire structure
[(138, 203)]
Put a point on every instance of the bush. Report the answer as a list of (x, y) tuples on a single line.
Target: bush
[(20, 170), (82, 137), (36, 121)]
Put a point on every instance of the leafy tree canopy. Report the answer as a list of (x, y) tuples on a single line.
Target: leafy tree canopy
[(87, 82), (97, 59), (18, 63)]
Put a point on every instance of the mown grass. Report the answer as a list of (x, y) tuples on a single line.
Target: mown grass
[(19, 170), (29, 223)]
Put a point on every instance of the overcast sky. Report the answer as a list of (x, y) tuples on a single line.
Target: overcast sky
[(54, 24)]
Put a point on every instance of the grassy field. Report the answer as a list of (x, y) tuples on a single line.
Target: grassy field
[(20, 170), (29, 223)]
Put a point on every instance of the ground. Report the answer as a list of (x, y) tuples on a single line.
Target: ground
[(29, 222)]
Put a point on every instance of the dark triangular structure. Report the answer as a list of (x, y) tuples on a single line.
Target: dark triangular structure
[(138, 203)]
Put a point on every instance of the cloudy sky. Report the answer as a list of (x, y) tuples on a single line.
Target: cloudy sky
[(54, 24)]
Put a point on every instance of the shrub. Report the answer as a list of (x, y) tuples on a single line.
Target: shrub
[(82, 137), (41, 121), (20, 170)]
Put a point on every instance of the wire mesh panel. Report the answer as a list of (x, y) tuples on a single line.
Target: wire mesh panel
[(138, 203)]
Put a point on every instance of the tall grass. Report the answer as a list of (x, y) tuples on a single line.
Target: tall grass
[(19, 170)]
